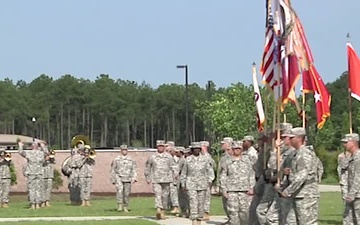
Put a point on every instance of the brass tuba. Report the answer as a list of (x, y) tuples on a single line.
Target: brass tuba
[(80, 139), (7, 156), (65, 169), (92, 154)]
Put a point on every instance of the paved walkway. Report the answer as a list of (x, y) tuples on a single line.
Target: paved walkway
[(214, 220)]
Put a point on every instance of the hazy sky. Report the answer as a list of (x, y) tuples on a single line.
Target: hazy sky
[(145, 40)]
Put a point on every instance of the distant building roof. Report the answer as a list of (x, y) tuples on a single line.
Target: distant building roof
[(11, 139)]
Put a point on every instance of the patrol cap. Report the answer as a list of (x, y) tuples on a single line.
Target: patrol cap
[(170, 144), (285, 126), (297, 131), (350, 137), (186, 150), (160, 143), (205, 143), (227, 140), (248, 138), (286, 133), (195, 145), (236, 145), (123, 147), (178, 149)]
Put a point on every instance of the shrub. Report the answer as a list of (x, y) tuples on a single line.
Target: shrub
[(57, 181), (13, 174)]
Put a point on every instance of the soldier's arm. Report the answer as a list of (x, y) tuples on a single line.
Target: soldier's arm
[(113, 172), (147, 171), (355, 183), (299, 178), (211, 173), (174, 167), (320, 168), (222, 178), (183, 174), (21, 151), (134, 173), (344, 162)]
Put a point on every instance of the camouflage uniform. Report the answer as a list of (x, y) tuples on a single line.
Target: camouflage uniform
[(208, 191), (74, 164), (352, 207), (196, 176), (123, 173), (34, 173), (159, 170), (173, 195), (85, 178), (183, 195), (222, 162), (48, 179), (342, 169), (302, 183), (5, 180), (236, 182)]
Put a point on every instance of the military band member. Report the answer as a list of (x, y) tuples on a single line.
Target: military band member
[(342, 169), (123, 174), (34, 172), (352, 207), (173, 200), (196, 177), (236, 185), (183, 195), (74, 165), (5, 179), (159, 170), (48, 179), (205, 152), (85, 176), (303, 187)]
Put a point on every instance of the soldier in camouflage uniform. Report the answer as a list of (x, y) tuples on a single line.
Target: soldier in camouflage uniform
[(303, 187), (5, 179), (236, 185), (48, 179), (34, 172), (123, 174), (226, 147), (73, 166), (352, 207), (85, 177), (205, 152), (342, 169), (173, 200), (183, 195), (159, 170), (196, 177)]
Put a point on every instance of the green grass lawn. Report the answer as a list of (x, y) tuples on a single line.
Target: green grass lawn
[(104, 222), (331, 209)]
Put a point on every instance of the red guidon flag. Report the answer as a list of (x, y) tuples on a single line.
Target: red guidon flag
[(353, 72), (260, 114), (312, 83)]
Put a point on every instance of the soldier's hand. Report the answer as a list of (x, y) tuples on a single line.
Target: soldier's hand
[(349, 200), (21, 144), (286, 171), (134, 181), (148, 182), (251, 192), (225, 194)]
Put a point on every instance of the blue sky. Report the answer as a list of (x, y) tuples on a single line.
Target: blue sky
[(145, 40)]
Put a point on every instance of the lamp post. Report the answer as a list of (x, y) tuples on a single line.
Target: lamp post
[(33, 121), (186, 102)]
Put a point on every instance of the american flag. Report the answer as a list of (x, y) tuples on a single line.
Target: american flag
[(269, 60)]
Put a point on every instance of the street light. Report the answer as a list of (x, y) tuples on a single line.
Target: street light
[(33, 121), (186, 102)]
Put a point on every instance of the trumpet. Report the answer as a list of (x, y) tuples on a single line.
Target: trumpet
[(51, 154), (92, 154), (7, 156)]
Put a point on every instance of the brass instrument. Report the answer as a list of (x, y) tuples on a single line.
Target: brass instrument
[(80, 139), (92, 154), (65, 168), (51, 154), (7, 156)]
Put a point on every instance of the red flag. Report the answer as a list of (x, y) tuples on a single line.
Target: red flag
[(321, 95), (354, 72)]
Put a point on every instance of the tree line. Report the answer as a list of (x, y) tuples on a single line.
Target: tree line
[(114, 112)]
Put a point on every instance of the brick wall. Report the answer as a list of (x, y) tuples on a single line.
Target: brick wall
[(101, 172)]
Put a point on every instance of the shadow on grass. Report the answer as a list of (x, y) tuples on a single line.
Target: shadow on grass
[(330, 222)]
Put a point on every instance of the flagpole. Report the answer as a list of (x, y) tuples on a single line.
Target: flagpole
[(349, 95), (284, 117), (303, 107)]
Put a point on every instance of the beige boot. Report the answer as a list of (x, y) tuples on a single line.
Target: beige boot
[(120, 208), (87, 203), (198, 222), (32, 206), (158, 213), (175, 210), (37, 206), (163, 217), (5, 205), (206, 217), (47, 204), (83, 203), (42, 205), (126, 209), (194, 222)]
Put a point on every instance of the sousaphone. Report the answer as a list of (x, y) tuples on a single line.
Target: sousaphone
[(80, 139), (65, 167)]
